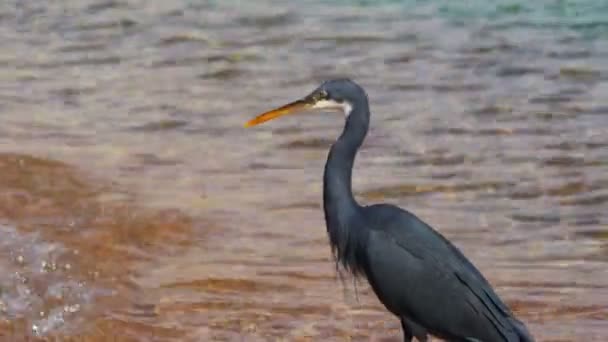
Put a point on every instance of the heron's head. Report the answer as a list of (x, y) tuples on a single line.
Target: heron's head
[(339, 95)]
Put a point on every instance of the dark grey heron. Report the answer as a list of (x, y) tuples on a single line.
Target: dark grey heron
[(417, 274)]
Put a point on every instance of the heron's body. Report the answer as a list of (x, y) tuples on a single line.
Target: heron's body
[(416, 273)]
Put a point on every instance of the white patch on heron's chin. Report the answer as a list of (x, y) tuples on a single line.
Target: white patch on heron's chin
[(345, 106)]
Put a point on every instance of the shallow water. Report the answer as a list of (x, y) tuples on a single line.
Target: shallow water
[(135, 207)]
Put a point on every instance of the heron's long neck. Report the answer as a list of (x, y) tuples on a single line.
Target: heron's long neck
[(337, 181), (339, 204)]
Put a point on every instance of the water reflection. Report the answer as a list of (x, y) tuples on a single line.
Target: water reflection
[(186, 227)]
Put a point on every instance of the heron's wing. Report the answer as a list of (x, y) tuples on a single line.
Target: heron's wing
[(413, 234), (418, 272), (431, 293)]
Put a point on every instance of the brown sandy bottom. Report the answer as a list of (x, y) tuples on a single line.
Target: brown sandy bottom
[(69, 246)]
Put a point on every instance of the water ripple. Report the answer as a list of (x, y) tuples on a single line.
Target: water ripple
[(488, 120)]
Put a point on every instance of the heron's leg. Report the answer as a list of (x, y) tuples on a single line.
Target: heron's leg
[(407, 331), (411, 330)]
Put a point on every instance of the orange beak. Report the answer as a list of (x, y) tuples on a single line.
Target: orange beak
[(291, 108)]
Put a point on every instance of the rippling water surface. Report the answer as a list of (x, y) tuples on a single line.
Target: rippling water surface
[(135, 207)]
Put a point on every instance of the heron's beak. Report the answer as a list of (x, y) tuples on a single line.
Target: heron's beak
[(290, 108)]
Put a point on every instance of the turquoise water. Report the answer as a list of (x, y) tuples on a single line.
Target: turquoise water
[(588, 18)]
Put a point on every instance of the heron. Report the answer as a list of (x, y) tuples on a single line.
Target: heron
[(416, 273)]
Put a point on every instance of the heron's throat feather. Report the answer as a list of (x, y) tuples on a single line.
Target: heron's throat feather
[(344, 106)]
